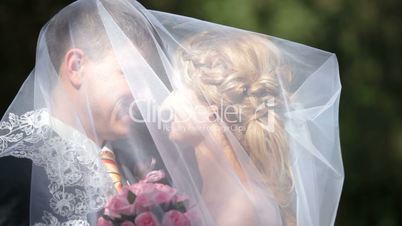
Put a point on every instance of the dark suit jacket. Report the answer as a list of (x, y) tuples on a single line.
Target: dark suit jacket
[(15, 180)]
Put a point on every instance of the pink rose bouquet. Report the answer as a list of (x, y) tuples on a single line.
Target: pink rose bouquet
[(147, 203)]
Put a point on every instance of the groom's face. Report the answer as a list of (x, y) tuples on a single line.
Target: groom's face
[(108, 97)]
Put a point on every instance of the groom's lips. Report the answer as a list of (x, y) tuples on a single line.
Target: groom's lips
[(121, 110)]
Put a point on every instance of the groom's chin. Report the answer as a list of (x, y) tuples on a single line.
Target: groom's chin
[(119, 130)]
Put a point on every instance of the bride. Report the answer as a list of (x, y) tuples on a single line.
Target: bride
[(228, 77)]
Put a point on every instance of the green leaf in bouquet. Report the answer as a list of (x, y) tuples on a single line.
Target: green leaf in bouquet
[(131, 197), (166, 206), (127, 218), (179, 206)]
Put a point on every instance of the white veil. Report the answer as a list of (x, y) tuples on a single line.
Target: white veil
[(112, 73)]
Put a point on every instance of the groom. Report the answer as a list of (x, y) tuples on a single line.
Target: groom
[(91, 95)]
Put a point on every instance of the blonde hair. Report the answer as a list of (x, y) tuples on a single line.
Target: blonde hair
[(242, 70)]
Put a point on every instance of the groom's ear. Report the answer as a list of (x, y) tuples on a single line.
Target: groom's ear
[(74, 59)]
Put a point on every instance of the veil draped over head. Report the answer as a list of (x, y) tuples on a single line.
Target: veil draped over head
[(244, 124)]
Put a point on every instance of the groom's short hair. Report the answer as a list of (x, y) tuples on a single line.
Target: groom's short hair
[(80, 26)]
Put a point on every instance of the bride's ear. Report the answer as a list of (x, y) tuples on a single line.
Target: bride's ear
[(74, 59)]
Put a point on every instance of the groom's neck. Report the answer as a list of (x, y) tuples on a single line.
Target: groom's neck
[(64, 109)]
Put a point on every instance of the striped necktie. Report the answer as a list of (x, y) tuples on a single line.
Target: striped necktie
[(109, 161)]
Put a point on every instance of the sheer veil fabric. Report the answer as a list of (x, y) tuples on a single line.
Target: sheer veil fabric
[(244, 124)]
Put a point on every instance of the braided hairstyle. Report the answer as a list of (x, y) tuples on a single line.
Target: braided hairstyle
[(244, 71)]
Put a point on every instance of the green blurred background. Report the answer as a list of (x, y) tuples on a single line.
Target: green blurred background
[(364, 34)]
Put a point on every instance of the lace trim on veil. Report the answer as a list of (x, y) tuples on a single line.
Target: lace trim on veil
[(78, 184)]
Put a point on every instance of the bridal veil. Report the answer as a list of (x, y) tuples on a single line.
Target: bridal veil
[(242, 123)]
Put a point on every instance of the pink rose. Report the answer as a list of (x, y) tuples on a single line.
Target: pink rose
[(153, 197), (124, 191), (154, 176), (146, 219), (160, 196), (103, 222), (141, 187), (165, 188), (127, 223), (175, 218), (142, 203), (118, 205)]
